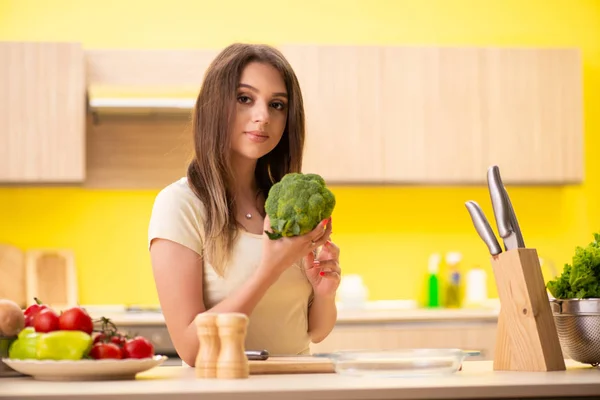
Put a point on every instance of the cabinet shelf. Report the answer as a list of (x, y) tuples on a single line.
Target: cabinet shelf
[(150, 104)]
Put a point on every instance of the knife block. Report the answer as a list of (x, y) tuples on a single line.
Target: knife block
[(527, 339)]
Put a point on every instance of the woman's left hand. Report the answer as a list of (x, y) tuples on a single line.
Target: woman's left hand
[(324, 271)]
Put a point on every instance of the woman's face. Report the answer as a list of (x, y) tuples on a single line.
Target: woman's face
[(261, 111)]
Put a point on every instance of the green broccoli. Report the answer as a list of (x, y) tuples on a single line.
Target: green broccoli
[(581, 280), (296, 204)]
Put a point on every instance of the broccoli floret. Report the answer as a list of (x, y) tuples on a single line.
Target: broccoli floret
[(580, 280), (296, 204)]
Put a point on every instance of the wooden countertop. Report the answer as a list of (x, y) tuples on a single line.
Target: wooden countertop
[(370, 316), (383, 315), (476, 380)]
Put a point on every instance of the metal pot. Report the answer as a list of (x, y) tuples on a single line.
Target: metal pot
[(578, 325)]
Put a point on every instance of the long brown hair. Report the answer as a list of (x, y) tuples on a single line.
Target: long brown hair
[(209, 173)]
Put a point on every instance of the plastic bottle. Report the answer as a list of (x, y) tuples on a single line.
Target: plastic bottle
[(433, 281), (453, 292)]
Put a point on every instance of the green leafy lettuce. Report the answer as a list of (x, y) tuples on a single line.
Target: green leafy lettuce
[(581, 278)]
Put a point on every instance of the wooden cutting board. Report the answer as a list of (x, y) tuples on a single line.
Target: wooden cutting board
[(51, 277), (12, 274), (291, 365)]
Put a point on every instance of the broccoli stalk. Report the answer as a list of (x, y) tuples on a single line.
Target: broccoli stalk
[(581, 279), (296, 204)]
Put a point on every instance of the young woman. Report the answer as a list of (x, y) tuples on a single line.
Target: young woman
[(206, 233)]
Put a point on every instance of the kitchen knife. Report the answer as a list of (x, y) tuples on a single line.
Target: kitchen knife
[(506, 220), (483, 227), (257, 354), (265, 355)]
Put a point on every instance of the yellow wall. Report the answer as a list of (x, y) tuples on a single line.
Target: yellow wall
[(387, 233)]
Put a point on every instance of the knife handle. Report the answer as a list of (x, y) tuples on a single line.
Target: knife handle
[(257, 354), (483, 228)]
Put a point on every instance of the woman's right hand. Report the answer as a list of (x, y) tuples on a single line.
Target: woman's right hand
[(280, 254)]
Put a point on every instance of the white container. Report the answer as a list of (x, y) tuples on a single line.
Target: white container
[(476, 288), (352, 293)]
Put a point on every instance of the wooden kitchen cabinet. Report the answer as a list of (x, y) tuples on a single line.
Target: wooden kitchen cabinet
[(534, 114), (432, 115), (42, 112), (466, 335), (374, 115), (341, 87), (441, 115)]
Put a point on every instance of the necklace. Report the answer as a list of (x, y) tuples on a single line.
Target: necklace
[(249, 215)]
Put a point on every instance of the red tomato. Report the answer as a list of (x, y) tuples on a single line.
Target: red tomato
[(76, 319), (46, 321), (105, 350), (101, 337), (29, 320), (138, 347), (117, 338), (33, 310)]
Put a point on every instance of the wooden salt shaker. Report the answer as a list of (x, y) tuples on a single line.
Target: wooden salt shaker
[(209, 345), (232, 362)]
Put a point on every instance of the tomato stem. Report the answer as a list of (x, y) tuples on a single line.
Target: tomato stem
[(108, 327)]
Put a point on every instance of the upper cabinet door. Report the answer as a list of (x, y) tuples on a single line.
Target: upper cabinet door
[(42, 112), (450, 113), (441, 115), (533, 102), (341, 87), (433, 118)]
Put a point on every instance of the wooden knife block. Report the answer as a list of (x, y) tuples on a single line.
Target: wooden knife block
[(527, 339)]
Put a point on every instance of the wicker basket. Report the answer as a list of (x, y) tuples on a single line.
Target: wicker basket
[(578, 325)]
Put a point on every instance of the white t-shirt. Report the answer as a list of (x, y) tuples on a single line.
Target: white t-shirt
[(279, 323)]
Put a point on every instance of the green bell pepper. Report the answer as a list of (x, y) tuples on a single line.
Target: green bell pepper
[(25, 346), (63, 345), (56, 345)]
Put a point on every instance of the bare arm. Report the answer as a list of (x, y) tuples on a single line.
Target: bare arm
[(181, 294), (321, 317)]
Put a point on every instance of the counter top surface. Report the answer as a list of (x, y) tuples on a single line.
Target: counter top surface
[(476, 380), (345, 316)]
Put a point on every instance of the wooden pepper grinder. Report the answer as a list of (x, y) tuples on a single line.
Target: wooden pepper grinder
[(209, 345), (232, 362)]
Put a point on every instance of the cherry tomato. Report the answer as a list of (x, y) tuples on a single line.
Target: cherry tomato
[(110, 337), (33, 310), (100, 337), (29, 320), (105, 350), (46, 321), (76, 319), (119, 340), (138, 347)]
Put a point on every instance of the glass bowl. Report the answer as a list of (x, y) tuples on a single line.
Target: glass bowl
[(398, 363)]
